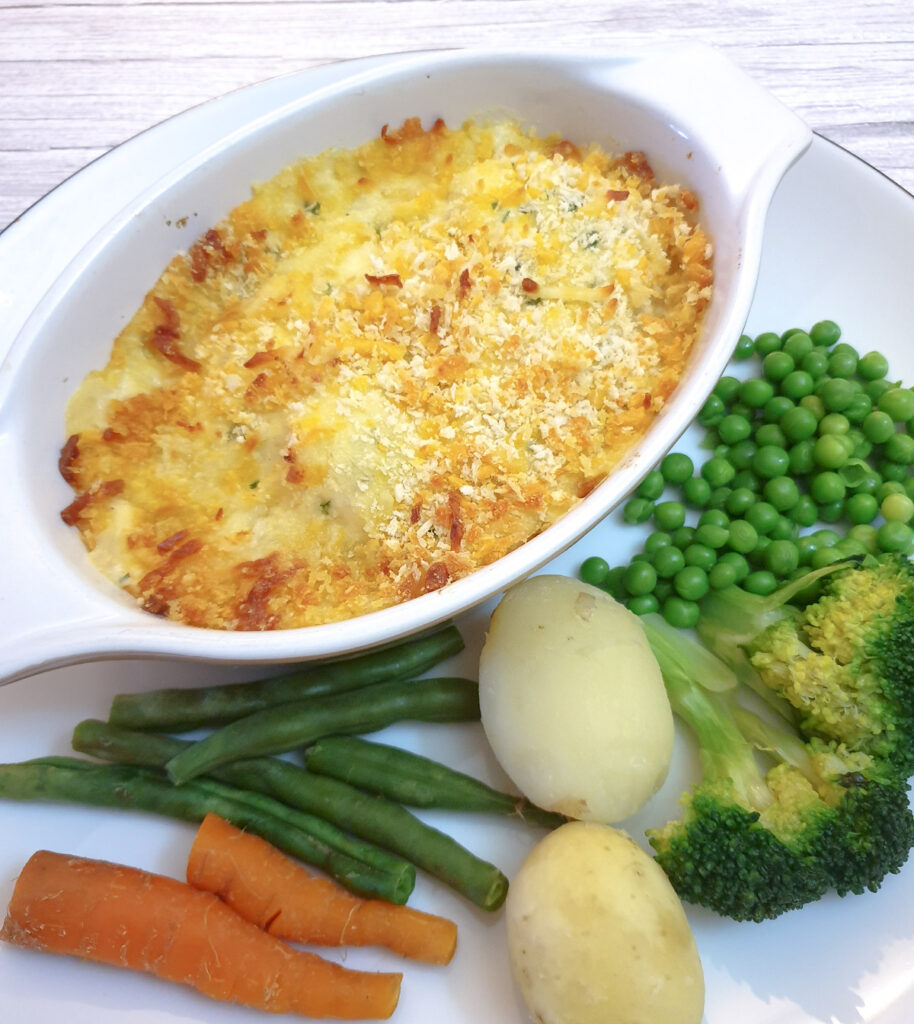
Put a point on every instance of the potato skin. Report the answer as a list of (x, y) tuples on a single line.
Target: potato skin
[(573, 702), (597, 935)]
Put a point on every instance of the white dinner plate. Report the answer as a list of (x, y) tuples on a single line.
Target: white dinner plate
[(839, 244)]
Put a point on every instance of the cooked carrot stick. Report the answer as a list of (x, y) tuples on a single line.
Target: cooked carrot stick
[(122, 916), (274, 892)]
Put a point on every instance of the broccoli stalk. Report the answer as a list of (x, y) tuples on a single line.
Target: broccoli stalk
[(779, 817)]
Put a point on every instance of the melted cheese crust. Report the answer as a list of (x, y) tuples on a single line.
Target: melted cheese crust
[(389, 367)]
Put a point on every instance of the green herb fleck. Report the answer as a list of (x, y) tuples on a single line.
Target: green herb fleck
[(253, 484), (325, 507), (313, 207)]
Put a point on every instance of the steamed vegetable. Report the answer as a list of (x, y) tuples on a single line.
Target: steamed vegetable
[(416, 781), (175, 710), (572, 700), (596, 934), (828, 807), (358, 865), (267, 888), (370, 818), (287, 726), (125, 917)]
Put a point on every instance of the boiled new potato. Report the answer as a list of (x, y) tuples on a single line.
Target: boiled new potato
[(597, 935), (572, 700)]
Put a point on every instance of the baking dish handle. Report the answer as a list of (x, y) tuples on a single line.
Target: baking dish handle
[(752, 136)]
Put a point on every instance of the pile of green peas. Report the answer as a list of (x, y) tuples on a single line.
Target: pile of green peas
[(818, 441)]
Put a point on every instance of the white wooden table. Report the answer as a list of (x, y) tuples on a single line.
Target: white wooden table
[(78, 77)]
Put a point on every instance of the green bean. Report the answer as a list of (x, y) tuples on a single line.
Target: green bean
[(176, 710), (302, 835), (417, 781), (345, 806), (287, 726)]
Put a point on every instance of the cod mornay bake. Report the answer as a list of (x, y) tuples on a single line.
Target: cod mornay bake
[(389, 367)]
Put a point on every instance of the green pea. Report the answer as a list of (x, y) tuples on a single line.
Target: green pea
[(712, 412), (834, 423), (797, 345), (776, 408), (741, 409), (746, 478), (814, 404), (805, 547), (637, 510), (718, 498), (727, 388), (781, 492), (683, 537), (594, 570), (658, 539), (831, 511), (700, 555), (897, 508), (680, 613), (878, 426), (815, 363), (797, 385), (897, 472), (668, 561), (800, 457), (776, 365), (798, 423), (898, 403), (848, 547), (909, 487), (861, 508), (733, 429), (894, 536), (784, 529), (866, 535), (781, 558), (718, 471), (761, 582), (888, 487), (873, 366), (829, 452), (741, 453), (663, 590), (763, 516), (875, 388), (825, 332), (739, 500), (756, 391), (860, 407), (712, 536), (696, 491), (613, 584), (837, 394), (744, 348), (827, 487), (722, 575), (676, 467), (640, 578), (770, 460), (824, 556), (691, 583), (843, 363), (860, 477), (644, 604), (900, 448), (714, 517), (743, 536), (669, 515), (767, 342), (651, 487), (770, 434), (738, 561), (805, 512)]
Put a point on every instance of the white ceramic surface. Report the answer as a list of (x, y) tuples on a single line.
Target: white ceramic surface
[(839, 243), (702, 122)]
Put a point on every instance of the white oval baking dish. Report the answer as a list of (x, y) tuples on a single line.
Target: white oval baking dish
[(702, 122)]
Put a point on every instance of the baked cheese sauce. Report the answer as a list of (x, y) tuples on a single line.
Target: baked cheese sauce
[(389, 367)]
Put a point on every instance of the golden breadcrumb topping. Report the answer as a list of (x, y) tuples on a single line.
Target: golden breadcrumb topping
[(389, 367)]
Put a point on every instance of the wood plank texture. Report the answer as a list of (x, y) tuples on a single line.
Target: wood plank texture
[(79, 76)]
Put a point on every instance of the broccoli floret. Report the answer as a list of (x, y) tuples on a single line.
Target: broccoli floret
[(844, 662), (754, 840)]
